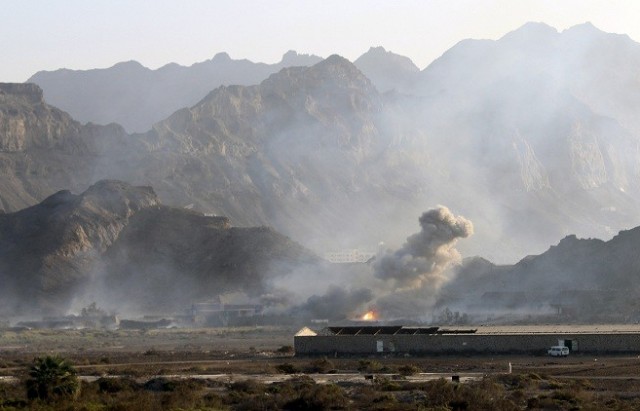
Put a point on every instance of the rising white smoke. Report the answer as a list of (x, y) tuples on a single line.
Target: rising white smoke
[(403, 283), (414, 273)]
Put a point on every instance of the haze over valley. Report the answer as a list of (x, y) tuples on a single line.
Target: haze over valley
[(501, 180)]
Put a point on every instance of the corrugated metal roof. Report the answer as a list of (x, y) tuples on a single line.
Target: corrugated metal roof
[(391, 330), (557, 329), (560, 329)]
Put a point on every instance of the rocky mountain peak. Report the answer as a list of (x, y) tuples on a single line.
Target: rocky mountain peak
[(377, 50), (532, 32), (387, 70), (129, 66), (221, 57), (336, 61), (293, 58), (28, 92), (26, 121), (533, 39), (339, 70), (56, 243), (331, 74), (119, 235), (584, 29), (388, 60), (104, 199), (118, 197)]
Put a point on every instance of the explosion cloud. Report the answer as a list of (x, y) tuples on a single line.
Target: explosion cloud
[(416, 271), (425, 255), (402, 283)]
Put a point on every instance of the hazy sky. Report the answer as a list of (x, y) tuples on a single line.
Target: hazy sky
[(81, 34)]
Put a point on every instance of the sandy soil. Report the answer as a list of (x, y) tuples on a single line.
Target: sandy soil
[(256, 351)]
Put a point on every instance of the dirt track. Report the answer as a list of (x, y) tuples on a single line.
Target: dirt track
[(255, 351)]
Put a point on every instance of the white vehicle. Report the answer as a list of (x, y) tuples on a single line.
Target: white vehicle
[(558, 351)]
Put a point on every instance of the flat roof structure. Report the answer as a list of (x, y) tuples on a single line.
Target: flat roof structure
[(392, 330), (533, 339), (559, 328)]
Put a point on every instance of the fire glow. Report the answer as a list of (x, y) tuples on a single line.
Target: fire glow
[(369, 316)]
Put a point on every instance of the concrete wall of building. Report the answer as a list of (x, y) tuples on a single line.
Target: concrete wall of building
[(467, 343)]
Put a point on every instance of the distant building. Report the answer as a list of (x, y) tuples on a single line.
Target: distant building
[(349, 256), (144, 325), (368, 340), (215, 313), (105, 321)]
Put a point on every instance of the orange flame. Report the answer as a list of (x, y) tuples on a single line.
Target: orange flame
[(369, 316)]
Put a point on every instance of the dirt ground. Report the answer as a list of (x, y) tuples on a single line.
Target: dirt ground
[(259, 350)]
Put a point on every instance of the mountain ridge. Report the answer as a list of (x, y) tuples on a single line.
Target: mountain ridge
[(319, 151), (136, 97), (71, 248)]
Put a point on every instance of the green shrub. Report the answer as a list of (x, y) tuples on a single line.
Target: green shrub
[(51, 377)]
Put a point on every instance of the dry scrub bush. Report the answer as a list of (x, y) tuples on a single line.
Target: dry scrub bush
[(320, 366), (12, 396), (249, 386), (438, 392), (285, 349), (369, 366), (319, 397), (114, 385), (287, 368), (409, 369)]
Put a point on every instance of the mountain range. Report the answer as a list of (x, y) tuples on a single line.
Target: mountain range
[(137, 97), (117, 245), (533, 137), (580, 280)]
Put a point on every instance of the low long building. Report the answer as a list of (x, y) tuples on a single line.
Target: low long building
[(367, 340)]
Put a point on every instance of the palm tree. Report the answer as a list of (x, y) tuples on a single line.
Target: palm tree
[(51, 377)]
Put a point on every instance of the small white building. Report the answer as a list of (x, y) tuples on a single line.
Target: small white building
[(349, 256)]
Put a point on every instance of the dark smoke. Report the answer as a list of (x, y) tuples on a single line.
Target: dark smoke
[(335, 304), (402, 283), (277, 299)]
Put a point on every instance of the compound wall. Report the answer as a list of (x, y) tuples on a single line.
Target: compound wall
[(464, 343)]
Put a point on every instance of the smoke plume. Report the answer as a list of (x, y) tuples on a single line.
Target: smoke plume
[(336, 304), (425, 255), (417, 270), (400, 284)]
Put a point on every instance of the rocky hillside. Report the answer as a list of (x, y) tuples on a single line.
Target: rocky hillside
[(304, 151), (117, 245), (517, 121), (137, 97), (388, 71), (583, 280), (42, 149), (503, 132)]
